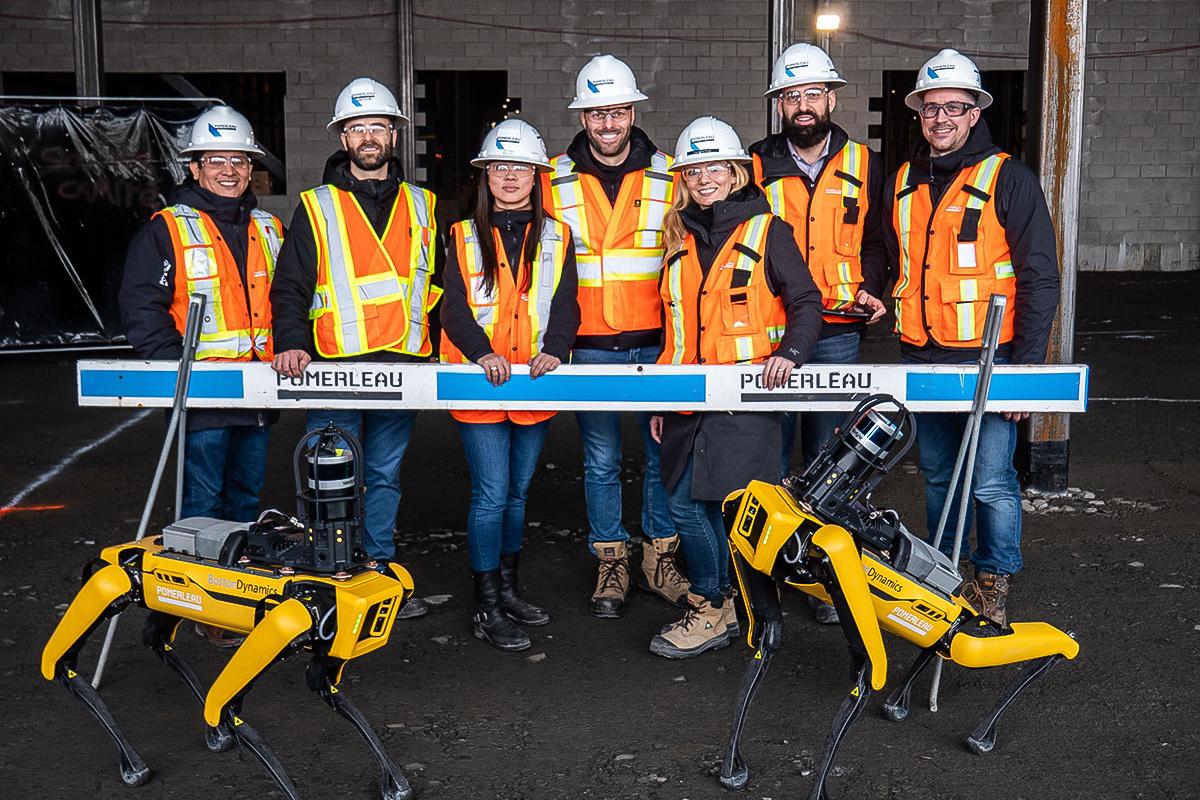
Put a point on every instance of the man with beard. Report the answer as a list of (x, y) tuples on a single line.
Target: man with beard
[(828, 188), (355, 283), (215, 241), (613, 189), (968, 221)]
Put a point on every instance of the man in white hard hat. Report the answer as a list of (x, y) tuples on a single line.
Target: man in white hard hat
[(612, 188), (213, 240), (828, 187), (968, 221), (367, 229)]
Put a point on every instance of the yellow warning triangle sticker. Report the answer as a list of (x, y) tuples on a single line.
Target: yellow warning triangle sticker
[(854, 692), (758, 655)]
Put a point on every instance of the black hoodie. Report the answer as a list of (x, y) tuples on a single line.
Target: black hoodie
[(148, 287), (787, 275), (296, 273), (1022, 211), (778, 162)]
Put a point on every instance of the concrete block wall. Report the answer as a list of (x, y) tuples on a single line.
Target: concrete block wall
[(1140, 184)]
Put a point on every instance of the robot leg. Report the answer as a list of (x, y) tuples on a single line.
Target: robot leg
[(158, 634), (850, 710), (761, 598), (897, 705), (983, 738), (324, 674)]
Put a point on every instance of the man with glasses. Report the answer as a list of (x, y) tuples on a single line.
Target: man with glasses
[(355, 283), (828, 188), (969, 221), (215, 241), (613, 189)]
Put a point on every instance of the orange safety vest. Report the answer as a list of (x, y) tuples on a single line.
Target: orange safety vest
[(828, 224), (237, 319), (515, 321), (952, 259), (730, 316), (618, 248), (372, 293)]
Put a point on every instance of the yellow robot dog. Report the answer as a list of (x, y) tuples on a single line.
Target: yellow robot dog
[(819, 534), (287, 584)]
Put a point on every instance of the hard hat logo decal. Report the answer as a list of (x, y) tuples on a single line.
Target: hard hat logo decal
[(594, 85), (356, 99), (929, 71), (797, 65), (213, 129)]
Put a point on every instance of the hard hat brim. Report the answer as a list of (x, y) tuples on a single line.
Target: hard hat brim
[(913, 98), (212, 148), (338, 120), (483, 161), (704, 158), (604, 102), (833, 83)]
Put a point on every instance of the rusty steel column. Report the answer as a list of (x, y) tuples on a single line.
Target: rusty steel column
[(88, 34), (404, 88), (1060, 157), (781, 20)]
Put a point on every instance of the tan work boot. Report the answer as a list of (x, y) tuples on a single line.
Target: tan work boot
[(729, 617), (660, 570), (988, 594), (612, 582), (702, 628)]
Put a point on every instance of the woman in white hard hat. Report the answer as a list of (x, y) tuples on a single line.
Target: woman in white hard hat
[(510, 299), (735, 290)]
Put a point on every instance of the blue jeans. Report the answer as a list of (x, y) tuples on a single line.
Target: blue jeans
[(600, 432), (384, 438), (702, 539), (817, 426), (994, 487), (501, 457), (223, 471)]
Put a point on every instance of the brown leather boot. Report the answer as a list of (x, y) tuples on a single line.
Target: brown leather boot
[(612, 582), (660, 570), (988, 594), (702, 628)]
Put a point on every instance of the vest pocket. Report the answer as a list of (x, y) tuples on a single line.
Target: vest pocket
[(965, 305), (847, 239), (738, 316), (967, 258), (842, 279), (199, 262)]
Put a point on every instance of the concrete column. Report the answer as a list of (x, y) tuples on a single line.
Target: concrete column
[(407, 141), (88, 33), (781, 33)]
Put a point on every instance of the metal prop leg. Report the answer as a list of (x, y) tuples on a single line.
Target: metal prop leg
[(851, 708), (134, 771), (896, 706), (734, 772), (983, 738), (158, 634)]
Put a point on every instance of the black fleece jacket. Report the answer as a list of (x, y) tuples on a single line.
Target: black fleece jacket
[(148, 288), (1022, 211), (459, 323), (296, 273), (777, 163), (787, 275)]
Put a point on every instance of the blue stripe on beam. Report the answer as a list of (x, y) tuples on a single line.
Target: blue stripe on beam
[(223, 384), (952, 387), (575, 388)]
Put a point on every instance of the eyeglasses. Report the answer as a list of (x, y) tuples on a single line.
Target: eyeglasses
[(615, 114), (954, 108), (219, 162), (812, 95), (373, 129), (713, 170), (516, 170)]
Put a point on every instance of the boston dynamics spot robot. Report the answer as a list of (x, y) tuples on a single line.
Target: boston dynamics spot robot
[(288, 583), (818, 533)]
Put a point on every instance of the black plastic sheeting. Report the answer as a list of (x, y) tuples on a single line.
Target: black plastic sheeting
[(74, 186)]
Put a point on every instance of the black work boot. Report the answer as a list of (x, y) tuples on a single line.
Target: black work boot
[(510, 602), (490, 623)]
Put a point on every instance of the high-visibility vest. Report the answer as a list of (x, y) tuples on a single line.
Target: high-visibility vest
[(237, 316), (618, 247), (828, 223), (730, 316), (373, 293), (514, 319), (952, 259)]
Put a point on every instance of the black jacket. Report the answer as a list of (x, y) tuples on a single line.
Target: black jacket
[(730, 450), (148, 288), (1022, 211), (641, 148), (777, 163), (459, 323), (296, 273)]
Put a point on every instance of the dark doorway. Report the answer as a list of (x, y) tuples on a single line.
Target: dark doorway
[(900, 130), (459, 107)]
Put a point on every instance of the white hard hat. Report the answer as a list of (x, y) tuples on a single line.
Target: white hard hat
[(707, 139), (949, 69), (221, 128), (365, 97), (513, 140), (605, 81), (800, 64)]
